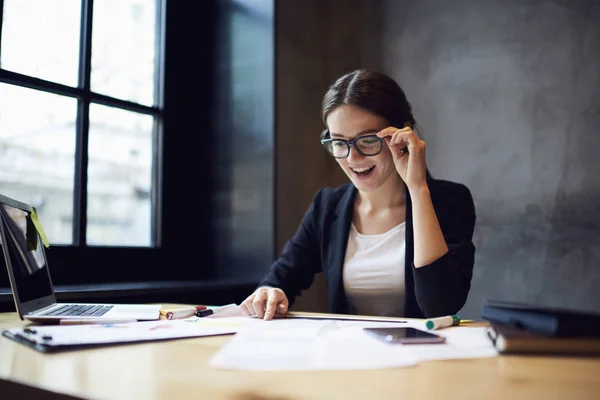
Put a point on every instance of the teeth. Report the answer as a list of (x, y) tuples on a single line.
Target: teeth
[(362, 169)]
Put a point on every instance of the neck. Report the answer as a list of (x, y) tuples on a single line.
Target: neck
[(391, 194)]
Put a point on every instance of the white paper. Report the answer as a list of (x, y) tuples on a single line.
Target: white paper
[(227, 311), (298, 344)]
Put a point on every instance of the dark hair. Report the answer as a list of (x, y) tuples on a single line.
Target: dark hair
[(372, 91)]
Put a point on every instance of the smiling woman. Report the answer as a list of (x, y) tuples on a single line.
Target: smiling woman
[(394, 241)]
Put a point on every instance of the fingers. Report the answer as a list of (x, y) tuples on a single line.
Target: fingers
[(402, 137), (272, 301), (244, 308), (246, 305), (265, 302), (277, 303), (258, 304), (401, 141), (282, 308), (390, 130)]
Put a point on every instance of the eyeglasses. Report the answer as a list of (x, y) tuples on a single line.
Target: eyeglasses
[(368, 145)]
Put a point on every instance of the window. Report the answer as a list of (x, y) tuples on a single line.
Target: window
[(81, 114)]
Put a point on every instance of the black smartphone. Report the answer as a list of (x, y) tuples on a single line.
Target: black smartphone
[(405, 335)]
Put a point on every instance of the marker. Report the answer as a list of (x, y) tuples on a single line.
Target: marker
[(92, 321), (218, 310), (183, 312), (204, 313), (442, 322)]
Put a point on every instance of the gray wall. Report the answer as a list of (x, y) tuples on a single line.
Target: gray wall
[(508, 96)]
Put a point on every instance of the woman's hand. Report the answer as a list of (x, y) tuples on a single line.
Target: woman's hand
[(265, 302), (408, 152)]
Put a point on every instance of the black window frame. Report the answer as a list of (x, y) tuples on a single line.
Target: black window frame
[(185, 206), (85, 96)]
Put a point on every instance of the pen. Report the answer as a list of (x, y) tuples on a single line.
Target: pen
[(442, 322), (183, 312), (91, 321)]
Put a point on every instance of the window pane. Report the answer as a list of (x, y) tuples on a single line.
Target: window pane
[(123, 49), (37, 155), (41, 38), (119, 177)]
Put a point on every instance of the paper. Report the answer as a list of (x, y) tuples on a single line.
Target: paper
[(302, 344), (78, 335), (38, 227), (299, 344), (231, 310)]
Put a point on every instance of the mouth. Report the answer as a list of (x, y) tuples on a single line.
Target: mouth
[(363, 172)]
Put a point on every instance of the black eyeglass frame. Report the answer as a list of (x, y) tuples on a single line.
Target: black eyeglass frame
[(350, 143)]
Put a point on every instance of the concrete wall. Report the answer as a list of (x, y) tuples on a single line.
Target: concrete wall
[(508, 94)]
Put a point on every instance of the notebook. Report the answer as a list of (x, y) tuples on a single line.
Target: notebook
[(29, 275), (542, 320), (508, 340)]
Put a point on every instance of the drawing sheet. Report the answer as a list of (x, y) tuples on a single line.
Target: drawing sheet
[(57, 336)]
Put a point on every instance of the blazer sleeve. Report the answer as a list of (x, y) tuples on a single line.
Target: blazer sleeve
[(442, 287), (300, 260)]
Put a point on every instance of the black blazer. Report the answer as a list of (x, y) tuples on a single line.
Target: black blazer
[(319, 245)]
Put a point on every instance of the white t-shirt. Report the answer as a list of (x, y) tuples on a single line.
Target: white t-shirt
[(374, 272)]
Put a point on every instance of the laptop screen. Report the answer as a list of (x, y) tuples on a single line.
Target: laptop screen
[(24, 254)]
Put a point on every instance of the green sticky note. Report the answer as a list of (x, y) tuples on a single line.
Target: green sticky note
[(38, 227), (31, 235)]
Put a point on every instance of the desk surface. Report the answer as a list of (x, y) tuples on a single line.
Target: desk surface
[(179, 369)]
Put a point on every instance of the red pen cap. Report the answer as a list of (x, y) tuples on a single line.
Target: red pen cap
[(198, 308)]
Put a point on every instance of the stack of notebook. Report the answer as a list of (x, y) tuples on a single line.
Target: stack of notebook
[(521, 328)]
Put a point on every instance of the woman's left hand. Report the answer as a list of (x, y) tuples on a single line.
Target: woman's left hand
[(408, 152)]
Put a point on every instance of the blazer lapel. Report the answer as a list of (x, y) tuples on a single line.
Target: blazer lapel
[(340, 230)]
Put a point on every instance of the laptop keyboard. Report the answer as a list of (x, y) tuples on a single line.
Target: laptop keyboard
[(75, 310)]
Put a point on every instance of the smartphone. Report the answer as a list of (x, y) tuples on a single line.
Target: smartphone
[(405, 335)]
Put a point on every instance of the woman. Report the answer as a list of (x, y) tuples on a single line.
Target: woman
[(395, 241)]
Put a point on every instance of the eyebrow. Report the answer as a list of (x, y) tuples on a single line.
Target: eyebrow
[(339, 135)]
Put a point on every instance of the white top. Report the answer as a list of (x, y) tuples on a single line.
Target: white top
[(374, 272)]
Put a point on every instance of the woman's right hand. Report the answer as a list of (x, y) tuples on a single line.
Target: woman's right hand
[(265, 302)]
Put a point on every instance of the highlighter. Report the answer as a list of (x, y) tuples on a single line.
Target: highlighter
[(442, 322)]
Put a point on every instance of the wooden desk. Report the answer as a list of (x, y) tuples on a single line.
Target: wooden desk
[(179, 370)]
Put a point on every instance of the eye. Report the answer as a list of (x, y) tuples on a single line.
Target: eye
[(369, 141), (338, 143)]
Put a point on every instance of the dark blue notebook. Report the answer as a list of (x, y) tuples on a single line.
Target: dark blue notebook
[(546, 321)]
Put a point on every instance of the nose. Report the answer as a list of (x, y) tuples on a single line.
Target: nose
[(354, 155)]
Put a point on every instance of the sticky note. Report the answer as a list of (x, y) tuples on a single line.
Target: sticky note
[(38, 227)]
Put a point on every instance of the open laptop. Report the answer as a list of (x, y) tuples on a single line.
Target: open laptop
[(29, 275)]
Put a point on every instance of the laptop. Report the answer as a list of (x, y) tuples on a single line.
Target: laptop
[(29, 276)]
